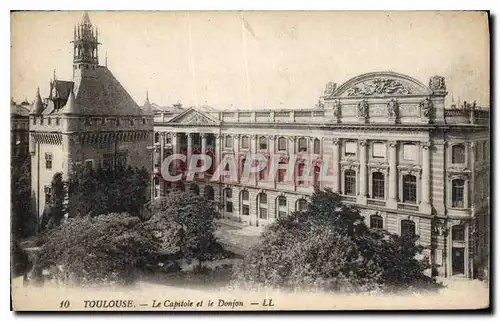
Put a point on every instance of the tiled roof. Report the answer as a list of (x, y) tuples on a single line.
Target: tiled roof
[(99, 93), (61, 89)]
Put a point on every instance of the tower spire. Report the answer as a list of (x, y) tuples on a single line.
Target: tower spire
[(38, 105), (85, 44)]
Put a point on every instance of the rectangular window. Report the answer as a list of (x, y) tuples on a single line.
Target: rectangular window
[(48, 160), (302, 145), (410, 152), (229, 207), (245, 142), (376, 222), (245, 209), (263, 213), (351, 148), (281, 214), (108, 161), (457, 196), (263, 143), (378, 150), (350, 182), (317, 146), (282, 202), (409, 189), (48, 194), (229, 142), (378, 185), (281, 144), (458, 233)]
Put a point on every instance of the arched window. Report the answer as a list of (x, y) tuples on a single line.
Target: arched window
[(378, 186), (262, 201), (317, 146), (409, 189), (282, 144), (457, 193), (407, 228), (458, 154), (302, 143), (193, 187), (245, 142), (376, 221), (168, 139), (263, 142), (458, 233), (281, 207), (209, 192), (228, 198), (350, 182), (245, 205), (301, 205), (157, 138)]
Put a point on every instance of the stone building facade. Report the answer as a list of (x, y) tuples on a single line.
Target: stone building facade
[(410, 164), (90, 121)]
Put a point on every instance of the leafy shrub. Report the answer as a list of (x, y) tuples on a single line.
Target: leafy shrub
[(86, 250), (329, 247)]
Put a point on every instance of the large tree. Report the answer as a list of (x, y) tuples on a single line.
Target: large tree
[(102, 191), (184, 223), (329, 247), (23, 219)]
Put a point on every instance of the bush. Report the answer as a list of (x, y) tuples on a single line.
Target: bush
[(328, 247), (104, 249)]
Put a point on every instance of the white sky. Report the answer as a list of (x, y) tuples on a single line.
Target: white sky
[(289, 60)]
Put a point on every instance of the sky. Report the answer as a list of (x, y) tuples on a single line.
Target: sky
[(229, 59)]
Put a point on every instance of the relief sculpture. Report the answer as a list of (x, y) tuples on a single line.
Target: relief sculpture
[(380, 86)]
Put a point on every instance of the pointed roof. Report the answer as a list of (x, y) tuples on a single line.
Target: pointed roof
[(70, 107), (147, 108), (38, 105), (99, 93)]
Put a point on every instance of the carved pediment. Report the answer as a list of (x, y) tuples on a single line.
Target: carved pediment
[(193, 117), (381, 84)]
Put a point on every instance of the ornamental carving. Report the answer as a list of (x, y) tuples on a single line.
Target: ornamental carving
[(363, 109), (437, 83), (427, 107), (330, 88), (392, 109), (320, 104), (380, 86)]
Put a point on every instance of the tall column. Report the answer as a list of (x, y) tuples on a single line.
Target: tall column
[(160, 166), (203, 150), (472, 161), (253, 148), (272, 148), (236, 149), (218, 153), (392, 201), (291, 151), (425, 204), (336, 165), (363, 178), (189, 152), (176, 149)]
